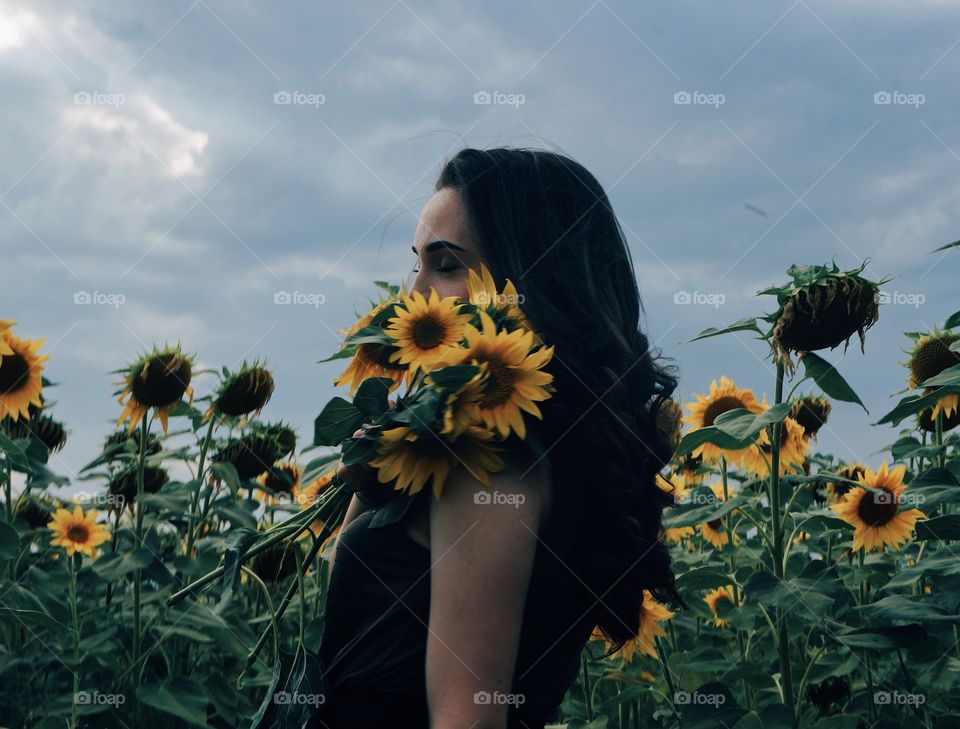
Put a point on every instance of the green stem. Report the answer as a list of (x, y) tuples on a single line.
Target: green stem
[(941, 456), (74, 560), (588, 699), (137, 618), (191, 531), (665, 669)]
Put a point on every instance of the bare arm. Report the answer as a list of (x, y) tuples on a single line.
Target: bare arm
[(482, 560)]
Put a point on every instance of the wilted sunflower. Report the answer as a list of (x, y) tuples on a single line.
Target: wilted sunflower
[(811, 412), (412, 459), (251, 454), (21, 374), (36, 512), (276, 563), (714, 598), (123, 441), (426, 331), (242, 393), (820, 309), (157, 380), (77, 531), (123, 484), (652, 613), (48, 431), (704, 411), (503, 306), (877, 518), (714, 531), (284, 434), (515, 377), (836, 490), (948, 404), (371, 359), (930, 356), (793, 451), (280, 482)]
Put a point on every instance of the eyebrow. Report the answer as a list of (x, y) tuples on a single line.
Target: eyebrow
[(431, 247)]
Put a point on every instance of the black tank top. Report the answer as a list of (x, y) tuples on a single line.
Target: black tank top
[(373, 649)]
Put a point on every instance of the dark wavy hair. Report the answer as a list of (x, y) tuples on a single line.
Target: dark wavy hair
[(543, 221)]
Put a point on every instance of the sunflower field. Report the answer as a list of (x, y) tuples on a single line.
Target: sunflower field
[(181, 581)]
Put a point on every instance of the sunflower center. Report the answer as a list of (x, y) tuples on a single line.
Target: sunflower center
[(78, 533), (500, 384), (715, 524), (720, 406), (14, 371), (933, 357), (429, 332), (875, 510), (162, 380)]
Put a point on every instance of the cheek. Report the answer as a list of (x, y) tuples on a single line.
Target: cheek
[(445, 285)]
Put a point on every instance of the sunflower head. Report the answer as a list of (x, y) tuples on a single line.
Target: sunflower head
[(703, 411), (670, 422), (77, 531), (426, 331), (251, 454), (21, 378), (949, 405), (243, 392), (811, 412), (157, 380), (37, 512), (820, 309), (931, 355), (652, 613), (370, 348), (836, 490), (281, 479), (717, 597), (501, 306), (276, 563), (123, 484), (48, 431)]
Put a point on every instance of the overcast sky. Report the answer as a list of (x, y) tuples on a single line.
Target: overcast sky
[(152, 167)]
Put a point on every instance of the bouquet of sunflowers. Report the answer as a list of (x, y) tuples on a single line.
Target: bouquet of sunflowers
[(468, 372)]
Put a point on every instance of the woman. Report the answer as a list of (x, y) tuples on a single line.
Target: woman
[(472, 610)]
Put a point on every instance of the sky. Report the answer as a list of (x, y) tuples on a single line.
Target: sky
[(177, 171)]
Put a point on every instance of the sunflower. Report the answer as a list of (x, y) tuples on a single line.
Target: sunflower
[(515, 377), (411, 459), (678, 488), (811, 412), (242, 393), (820, 309), (836, 490), (460, 408), (714, 531), (371, 359), (949, 405), (877, 518), (426, 331), (652, 614), (305, 496), (77, 531), (279, 483), (691, 468), (793, 451), (669, 421), (251, 455), (48, 431), (502, 306), (36, 511), (276, 563), (122, 441), (21, 374), (930, 356), (713, 599), (157, 380), (704, 411)]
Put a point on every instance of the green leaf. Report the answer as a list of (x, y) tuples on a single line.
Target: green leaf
[(950, 376), (877, 638), (9, 541), (800, 596), (828, 379), (181, 697), (227, 473), (453, 377), (371, 397), (711, 434), (913, 404), (338, 420), (113, 566), (952, 321), (907, 607), (699, 507), (955, 244), (744, 425), (16, 454), (747, 324), (940, 527)]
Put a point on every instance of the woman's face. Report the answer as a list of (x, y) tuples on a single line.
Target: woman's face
[(444, 248)]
